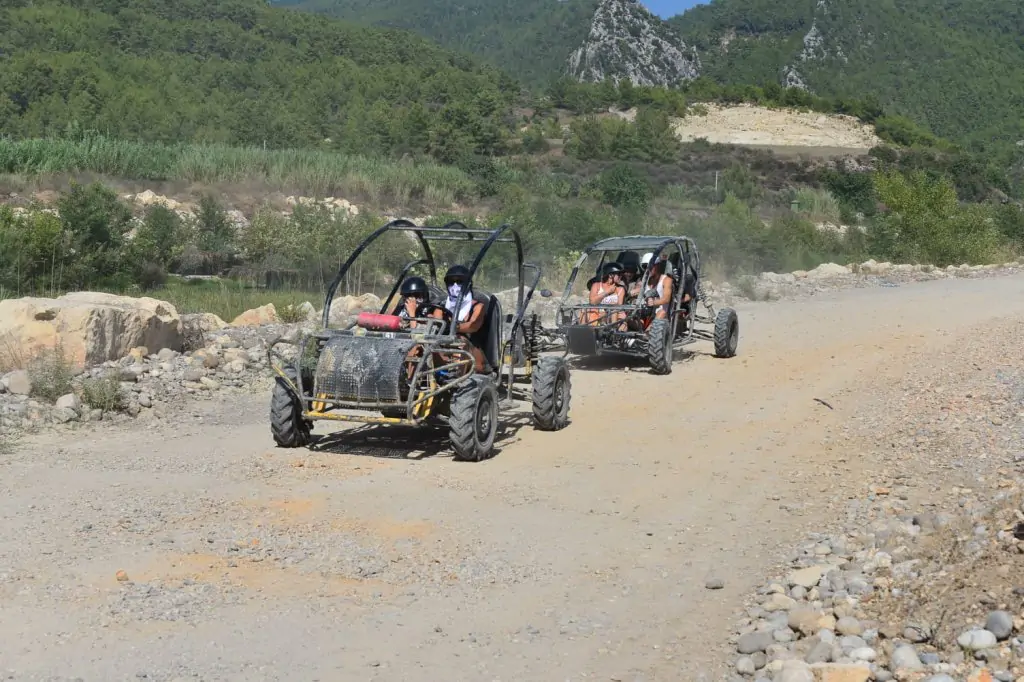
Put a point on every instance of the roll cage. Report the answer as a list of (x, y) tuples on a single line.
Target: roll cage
[(682, 254), (452, 231)]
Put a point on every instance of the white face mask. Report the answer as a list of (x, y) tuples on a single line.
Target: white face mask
[(454, 290)]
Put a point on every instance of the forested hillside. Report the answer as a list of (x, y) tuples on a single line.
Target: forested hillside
[(955, 66), (239, 72), (531, 39)]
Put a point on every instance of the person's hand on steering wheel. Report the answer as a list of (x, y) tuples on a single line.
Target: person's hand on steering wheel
[(425, 309)]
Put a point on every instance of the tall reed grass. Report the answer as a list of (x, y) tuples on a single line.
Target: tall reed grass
[(319, 173)]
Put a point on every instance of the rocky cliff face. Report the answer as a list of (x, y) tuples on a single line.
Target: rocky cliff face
[(627, 41)]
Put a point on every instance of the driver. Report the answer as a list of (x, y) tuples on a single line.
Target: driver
[(414, 293), (659, 283), (469, 317)]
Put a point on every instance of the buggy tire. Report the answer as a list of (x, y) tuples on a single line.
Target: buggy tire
[(659, 347), (287, 425), (552, 392), (727, 333), (473, 419)]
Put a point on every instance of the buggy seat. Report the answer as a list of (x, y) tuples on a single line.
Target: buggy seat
[(488, 337)]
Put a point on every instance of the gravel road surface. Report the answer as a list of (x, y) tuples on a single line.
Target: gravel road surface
[(192, 548)]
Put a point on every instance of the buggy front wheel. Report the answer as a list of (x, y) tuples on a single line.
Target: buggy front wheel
[(727, 333), (289, 428), (473, 419), (552, 391), (659, 347)]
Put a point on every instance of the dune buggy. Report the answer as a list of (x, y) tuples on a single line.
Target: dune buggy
[(376, 369), (633, 327)]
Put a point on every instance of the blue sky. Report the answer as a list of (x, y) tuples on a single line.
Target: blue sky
[(670, 8)]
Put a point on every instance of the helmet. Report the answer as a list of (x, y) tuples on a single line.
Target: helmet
[(646, 260), (456, 273), (414, 286), (611, 268)]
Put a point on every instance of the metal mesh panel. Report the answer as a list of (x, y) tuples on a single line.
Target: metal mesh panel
[(362, 369)]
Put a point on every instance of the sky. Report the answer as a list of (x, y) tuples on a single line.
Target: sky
[(670, 8)]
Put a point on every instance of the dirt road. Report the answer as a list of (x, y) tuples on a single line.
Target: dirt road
[(577, 555)]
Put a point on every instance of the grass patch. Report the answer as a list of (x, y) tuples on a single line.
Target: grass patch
[(319, 173), (7, 443), (228, 299)]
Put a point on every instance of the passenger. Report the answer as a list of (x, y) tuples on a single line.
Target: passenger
[(659, 282), (607, 290), (469, 317)]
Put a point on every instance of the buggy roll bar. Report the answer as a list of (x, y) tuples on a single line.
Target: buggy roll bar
[(655, 244), (452, 231)]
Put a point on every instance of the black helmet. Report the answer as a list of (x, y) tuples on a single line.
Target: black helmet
[(611, 268), (456, 273), (414, 286)]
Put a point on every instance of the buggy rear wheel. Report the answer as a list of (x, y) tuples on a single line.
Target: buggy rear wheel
[(287, 425), (727, 333), (473, 419), (659, 347), (552, 391)]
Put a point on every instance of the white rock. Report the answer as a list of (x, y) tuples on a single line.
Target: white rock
[(826, 270), (976, 640), (70, 401), (806, 577)]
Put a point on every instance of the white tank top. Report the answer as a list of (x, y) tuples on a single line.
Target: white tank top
[(661, 292), (610, 298)]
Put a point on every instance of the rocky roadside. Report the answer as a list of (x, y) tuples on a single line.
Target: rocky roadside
[(771, 286), (918, 576)]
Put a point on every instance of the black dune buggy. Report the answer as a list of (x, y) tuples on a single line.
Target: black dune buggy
[(632, 328), (377, 370)]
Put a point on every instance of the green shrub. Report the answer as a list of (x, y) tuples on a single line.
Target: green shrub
[(51, 374), (104, 393)]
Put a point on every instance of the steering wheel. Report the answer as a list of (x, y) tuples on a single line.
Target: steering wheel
[(424, 310)]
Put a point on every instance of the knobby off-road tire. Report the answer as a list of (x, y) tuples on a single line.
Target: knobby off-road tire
[(473, 419), (659, 347), (288, 427), (552, 391), (727, 333)]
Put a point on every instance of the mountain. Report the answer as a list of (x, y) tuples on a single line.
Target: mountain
[(531, 39), (955, 66), (238, 71), (627, 41)]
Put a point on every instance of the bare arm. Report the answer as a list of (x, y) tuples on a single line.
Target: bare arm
[(667, 296), (475, 321)]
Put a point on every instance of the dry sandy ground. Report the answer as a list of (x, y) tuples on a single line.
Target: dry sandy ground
[(577, 555), (753, 125)]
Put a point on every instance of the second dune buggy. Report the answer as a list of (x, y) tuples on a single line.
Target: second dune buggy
[(379, 370), (633, 328)]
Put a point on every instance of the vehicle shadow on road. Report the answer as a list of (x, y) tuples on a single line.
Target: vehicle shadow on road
[(628, 363), (397, 441)]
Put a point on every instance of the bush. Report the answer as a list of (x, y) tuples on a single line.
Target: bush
[(51, 374), (104, 393), (621, 186), (925, 223), (95, 220)]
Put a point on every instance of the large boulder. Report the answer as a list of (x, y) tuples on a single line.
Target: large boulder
[(89, 326)]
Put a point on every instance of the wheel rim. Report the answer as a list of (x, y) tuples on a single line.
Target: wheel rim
[(484, 423), (559, 394)]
